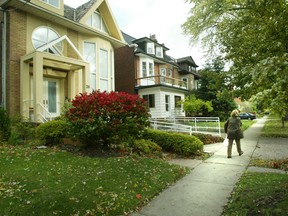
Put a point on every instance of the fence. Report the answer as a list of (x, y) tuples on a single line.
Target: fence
[(190, 125)]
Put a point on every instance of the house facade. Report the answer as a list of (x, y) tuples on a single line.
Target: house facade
[(143, 67), (51, 52)]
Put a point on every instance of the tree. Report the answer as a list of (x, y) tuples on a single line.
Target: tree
[(252, 34), (215, 86), (194, 106)]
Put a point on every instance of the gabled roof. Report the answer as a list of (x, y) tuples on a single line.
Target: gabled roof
[(188, 60), (74, 18)]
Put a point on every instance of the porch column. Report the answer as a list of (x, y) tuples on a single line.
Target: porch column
[(25, 100), (37, 84), (71, 85), (85, 79)]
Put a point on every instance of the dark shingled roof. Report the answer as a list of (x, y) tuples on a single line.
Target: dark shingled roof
[(188, 60), (79, 12)]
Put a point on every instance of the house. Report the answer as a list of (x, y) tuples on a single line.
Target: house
[(52, 52), (142, 67)]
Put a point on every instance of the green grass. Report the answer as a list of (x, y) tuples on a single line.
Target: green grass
[(259, 194), (54, 182), (273, 128), (262, 193)]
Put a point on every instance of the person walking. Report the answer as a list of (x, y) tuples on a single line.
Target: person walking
[(234, 132)]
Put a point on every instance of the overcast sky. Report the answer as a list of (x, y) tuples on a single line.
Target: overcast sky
[(141, 18)]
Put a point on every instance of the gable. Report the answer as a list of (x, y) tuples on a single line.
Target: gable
[(101, 8)]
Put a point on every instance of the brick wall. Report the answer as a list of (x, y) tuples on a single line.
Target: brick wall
[(16, 47), (125, 70)]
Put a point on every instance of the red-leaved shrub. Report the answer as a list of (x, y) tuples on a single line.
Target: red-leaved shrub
[(105, 118)]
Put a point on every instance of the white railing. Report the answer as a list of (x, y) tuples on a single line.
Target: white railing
[(208, 125), (43, 114)]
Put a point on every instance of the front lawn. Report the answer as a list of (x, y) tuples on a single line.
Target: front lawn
[(54, 182)]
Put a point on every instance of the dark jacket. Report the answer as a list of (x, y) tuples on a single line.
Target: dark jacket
[(233, 128)]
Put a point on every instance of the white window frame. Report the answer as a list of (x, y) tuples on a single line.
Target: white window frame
[(96, 18), (93, 64), (50, 2), (56, 49), (159, 52), (104, 70), (150, 48), (148, 70)]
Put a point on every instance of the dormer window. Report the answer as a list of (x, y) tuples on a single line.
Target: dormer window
[(54, 3), (96, 21), (159, 52), (150, 48)]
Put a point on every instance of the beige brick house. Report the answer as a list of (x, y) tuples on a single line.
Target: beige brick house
[(51, 52)]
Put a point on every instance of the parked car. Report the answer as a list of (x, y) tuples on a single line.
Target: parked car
[(249, 116)]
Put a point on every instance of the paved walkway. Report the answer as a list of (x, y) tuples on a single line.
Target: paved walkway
[(207, 188)]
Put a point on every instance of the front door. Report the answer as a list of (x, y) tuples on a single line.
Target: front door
[(51, 96)]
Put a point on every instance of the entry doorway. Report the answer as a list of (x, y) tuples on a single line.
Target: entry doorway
[(51, 96)]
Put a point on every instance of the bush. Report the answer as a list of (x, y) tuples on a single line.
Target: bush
[(175, 142), (146, 147), (107, 118), (52, 132), (5, 126), (21, 132), (208, 138)]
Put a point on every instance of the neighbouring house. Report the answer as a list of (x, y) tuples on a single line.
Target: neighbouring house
[(143, 67), (51, 52)]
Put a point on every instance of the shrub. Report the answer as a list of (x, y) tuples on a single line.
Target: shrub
[(146, 147), (5, 127), (108, 118), (208, 138), (52, 132), (175, 142), (21, 131)]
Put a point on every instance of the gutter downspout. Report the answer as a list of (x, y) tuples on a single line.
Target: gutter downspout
[(3, 69)]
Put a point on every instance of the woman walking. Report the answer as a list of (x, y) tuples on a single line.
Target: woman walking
[(234, 132)]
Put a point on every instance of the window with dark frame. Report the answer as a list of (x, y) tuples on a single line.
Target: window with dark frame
[(150, 100), (177, 101)]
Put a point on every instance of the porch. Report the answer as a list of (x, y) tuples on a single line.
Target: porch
[(161, 80)]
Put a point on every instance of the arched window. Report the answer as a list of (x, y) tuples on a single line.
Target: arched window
[(43, 35)]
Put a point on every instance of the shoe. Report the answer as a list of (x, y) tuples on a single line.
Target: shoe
[(241, 153), (229, 157)]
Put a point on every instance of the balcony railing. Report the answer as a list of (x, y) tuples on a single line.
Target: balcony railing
[(161, 80)]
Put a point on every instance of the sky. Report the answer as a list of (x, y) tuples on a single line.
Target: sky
[(142, 18)]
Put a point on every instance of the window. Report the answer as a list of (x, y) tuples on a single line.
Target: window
[(147, 67), (159, 52), (177, 101), (104, 70), (90, 56), (144, 69), (150, 48), (96, 21), (44, 35), (169, 72), (54, 3), (151, 69), (150, 99), (167, 102)]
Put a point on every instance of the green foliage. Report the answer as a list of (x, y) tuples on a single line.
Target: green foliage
[(252, 37), (208, 138), (193, 106), (5, 126), (52, 132), (21, 132), (146, 147), (175, 142), (102, 118), (53, 182)]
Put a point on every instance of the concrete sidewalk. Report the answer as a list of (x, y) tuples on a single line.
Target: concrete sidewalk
[(206, 190)]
